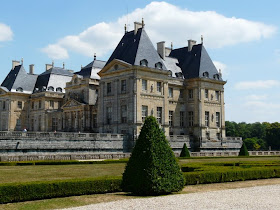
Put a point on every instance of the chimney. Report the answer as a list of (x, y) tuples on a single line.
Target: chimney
[(48, 66), (15, 63), (94, 57), (137, 25), (191, 43), (31, 69), (161, 49)]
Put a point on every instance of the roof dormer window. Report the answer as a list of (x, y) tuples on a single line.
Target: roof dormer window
[(158, 65), (59, 89), (205, 74), (50, 88), (144, 62), (19, 89), (216, 76)]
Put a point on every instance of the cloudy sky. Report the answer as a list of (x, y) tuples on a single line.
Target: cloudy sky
[(242, 38)]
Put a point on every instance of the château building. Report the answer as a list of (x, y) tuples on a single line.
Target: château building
[(180, 87)]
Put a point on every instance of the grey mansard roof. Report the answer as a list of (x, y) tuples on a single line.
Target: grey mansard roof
[(19, 81), (195, 63), (53, 78), (91, 70), (135, 47)]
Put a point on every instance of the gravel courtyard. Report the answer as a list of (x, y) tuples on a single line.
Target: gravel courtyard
[(260, 197)]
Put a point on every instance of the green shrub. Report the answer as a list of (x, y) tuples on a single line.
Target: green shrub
[(243, 150), (185, 152), (51, 189), (152, 168)]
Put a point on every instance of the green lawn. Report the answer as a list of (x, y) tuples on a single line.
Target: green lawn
[(10, 174)]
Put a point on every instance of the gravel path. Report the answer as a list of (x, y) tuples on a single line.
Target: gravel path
[(260, 197)]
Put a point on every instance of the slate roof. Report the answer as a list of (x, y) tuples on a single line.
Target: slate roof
[(55, 77), (91, 70), (135, 47), (195, 63), (18, 80)]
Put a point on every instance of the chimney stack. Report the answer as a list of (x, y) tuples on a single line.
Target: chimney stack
[(94, 57), (137, 25), (161, 49), (31, 69), (15, 63), (48, 66), (191, 43)]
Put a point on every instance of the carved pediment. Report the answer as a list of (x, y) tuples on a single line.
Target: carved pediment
[(71, 103), (113, 66)]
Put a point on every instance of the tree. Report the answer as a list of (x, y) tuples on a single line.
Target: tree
[(273, 135), (185, 152), (152, 168), (243, 150)]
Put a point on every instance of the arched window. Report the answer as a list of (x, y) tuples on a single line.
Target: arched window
[(50, 88), (216, 76), (59, 89), (205, 74), (19, 89), (158, 65), (144, 62)]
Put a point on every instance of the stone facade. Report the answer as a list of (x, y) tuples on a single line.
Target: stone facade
[(180, 87)]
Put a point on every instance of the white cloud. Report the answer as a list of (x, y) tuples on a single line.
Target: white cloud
[(6, 33), (55, 51), (255, 97), (259, 84), (178, 26)]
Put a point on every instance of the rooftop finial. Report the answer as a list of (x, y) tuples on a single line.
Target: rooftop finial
[(63, 64), (52, 63), (94, 57), (201, 39), (171, 45), (125, 29), (81, 66), (143, 23), (21, 61)]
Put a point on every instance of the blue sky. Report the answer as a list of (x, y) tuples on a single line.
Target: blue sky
[(242, 38)]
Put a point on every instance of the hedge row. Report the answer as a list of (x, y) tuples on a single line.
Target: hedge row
[(51, 189), (192, 178), (61, 162)]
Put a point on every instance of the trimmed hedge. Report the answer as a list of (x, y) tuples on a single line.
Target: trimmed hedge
[(192, 178), (51, 189)]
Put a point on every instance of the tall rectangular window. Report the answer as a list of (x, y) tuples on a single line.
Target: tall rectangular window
[(207, 119), (51, 104), (32, 105), (123, 86), (218, 119), (109, 115), (20, 104), (182, 119), (159, 115), (159, 87), (40, 104), (190, 93), (191, 118), (124, 114), (206, 93), (171, 118), (4, 105), (144, 112), (217, 94), (181, 93), (170, 92), (39, 123), (54, 124), (94, 119), (144, 85), (109, 87)]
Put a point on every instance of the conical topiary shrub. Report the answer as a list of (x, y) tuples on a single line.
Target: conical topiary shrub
[(152, 168), (243, 150), (185, 152)]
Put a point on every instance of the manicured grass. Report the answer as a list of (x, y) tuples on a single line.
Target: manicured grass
[(12, 174)]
